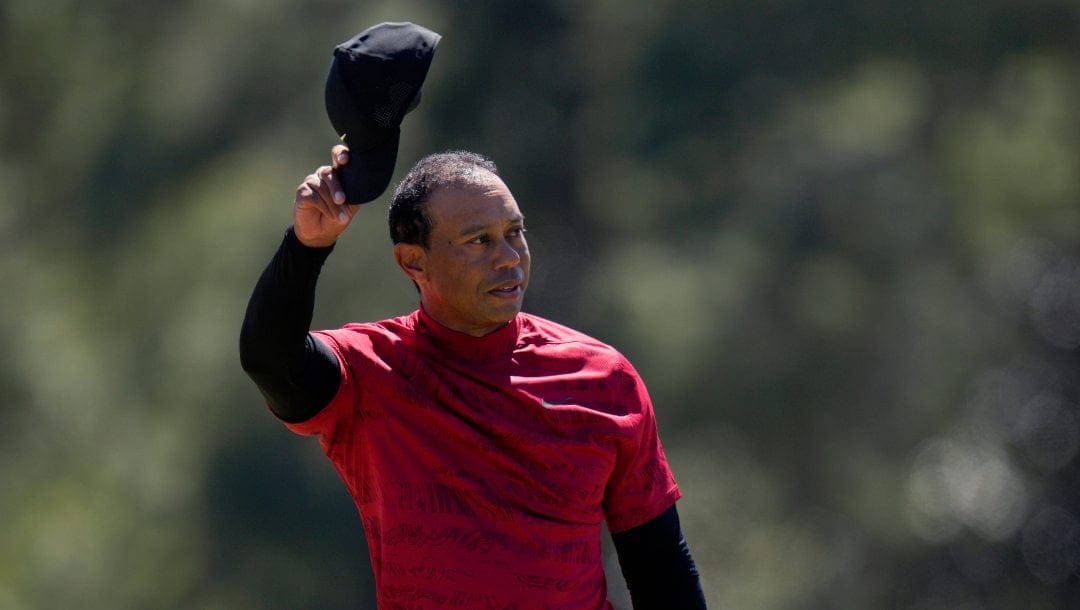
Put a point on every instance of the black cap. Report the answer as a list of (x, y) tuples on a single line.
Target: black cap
[(374, 80)]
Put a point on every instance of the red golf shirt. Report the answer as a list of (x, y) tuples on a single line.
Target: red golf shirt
[(483, 467)]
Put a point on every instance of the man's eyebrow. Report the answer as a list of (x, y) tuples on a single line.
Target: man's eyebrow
[(479, 228)]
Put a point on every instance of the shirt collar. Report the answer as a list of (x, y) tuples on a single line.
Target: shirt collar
[(464, 347)]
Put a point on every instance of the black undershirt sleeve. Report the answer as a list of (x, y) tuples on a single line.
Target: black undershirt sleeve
[(657, 566), (295, 371)]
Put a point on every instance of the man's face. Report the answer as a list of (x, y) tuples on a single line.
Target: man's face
[(474, 273)]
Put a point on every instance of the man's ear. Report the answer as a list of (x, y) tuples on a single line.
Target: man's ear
[(412, 259)]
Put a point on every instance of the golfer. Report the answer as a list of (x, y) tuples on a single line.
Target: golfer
[(484, 446)]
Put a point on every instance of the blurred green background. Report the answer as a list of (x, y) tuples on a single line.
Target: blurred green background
[(839, 239)]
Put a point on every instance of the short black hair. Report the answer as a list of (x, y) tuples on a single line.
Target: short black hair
[(408, 221)]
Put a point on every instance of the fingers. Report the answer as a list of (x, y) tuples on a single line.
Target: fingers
[(312, 193), (339, 156), (321, 212), (323, 191), (332, 180)]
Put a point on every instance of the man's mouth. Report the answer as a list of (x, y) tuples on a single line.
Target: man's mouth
[(508, 289)]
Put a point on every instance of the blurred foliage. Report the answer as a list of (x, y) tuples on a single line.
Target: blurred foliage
[(840, 240)]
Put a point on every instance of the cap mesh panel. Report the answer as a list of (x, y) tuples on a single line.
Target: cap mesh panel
[(389, 115)]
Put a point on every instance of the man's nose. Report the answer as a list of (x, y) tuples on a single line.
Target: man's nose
[(506, 255)]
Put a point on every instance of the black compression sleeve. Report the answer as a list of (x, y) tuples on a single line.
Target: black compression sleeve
[(657, 566), (296, 373)]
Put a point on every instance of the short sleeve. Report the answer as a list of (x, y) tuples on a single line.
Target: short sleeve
[(327, 421), (642, 485)]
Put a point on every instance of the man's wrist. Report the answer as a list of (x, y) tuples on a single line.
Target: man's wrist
[(293, 243)]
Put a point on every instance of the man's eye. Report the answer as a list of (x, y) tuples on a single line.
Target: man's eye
[(479, 239), (518, 232)]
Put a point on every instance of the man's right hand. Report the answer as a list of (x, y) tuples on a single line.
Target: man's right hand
[(320, 213)]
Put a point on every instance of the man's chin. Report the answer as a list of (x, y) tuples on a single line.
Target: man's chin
[(506, 313)]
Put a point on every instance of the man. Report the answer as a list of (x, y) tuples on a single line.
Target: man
[(483, 446)]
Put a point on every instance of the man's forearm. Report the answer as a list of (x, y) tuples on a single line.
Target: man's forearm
[(296, 373), (657, 566)]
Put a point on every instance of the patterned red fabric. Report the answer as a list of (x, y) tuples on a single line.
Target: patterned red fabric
[(483, 467)]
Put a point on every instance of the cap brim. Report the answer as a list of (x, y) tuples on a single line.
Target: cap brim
[(368, 172)]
